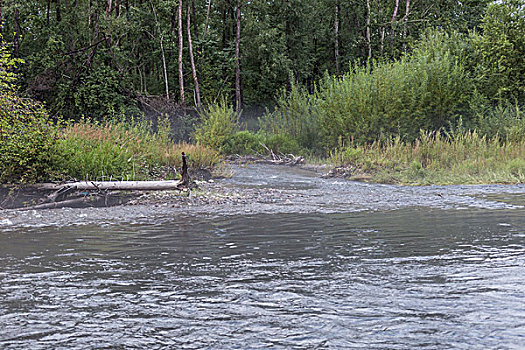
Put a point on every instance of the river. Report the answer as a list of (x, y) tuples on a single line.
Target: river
[(330, 264)]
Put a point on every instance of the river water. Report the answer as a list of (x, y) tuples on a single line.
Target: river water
[(328, 264)]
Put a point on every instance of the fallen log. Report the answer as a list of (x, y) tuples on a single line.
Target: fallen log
[(183, 184), (103, 193), (116, 185)]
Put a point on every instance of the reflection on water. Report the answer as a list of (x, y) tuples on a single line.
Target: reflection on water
[(403, 279)]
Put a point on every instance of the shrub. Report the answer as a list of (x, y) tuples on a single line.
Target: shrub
[(296, 115), (244, 142), (505, 120), (27, 141), (282, 143), (500, 68), (218, 124), (426, 89)]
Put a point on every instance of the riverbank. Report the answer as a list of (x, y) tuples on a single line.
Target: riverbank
[(434, 159), (220, 188), (267, 189)]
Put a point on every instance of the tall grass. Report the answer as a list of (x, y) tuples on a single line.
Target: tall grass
[(124, 150), (465, 157)]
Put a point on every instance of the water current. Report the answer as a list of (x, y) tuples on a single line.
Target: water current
[(332, 265)]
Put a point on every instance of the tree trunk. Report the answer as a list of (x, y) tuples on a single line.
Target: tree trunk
[(368, 41), (59, 14), (383, 28), (207, 19), (48, 9), (192, 61), (238, 92), (224, 26), (16, 43), (165, 70), (336, 34), (392, 31), (184, 175), (181, 73), (90, 13), (123, 185), (109, 8), (405, 29), (195, 24)]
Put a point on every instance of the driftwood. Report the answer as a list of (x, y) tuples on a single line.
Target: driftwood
[(113, 185), (271, 158), (63, 204), (281, 158)]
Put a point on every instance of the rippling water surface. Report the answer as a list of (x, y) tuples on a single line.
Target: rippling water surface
[(420, 276)]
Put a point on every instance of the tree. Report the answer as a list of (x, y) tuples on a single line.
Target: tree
[(238, 91), (88, 57), (499, 52), (181, 46), (165, 71), (193, 69)]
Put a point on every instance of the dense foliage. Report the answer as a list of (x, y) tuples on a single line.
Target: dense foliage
[(34, 148), (27, 136), (94, 57), (445, 81), (426, 89), (334, 76)]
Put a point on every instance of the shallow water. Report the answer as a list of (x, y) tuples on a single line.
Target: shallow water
[(334, 265)]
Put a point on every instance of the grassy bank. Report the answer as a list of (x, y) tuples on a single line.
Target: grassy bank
[(466, 158), (125, 150), (86, 150)]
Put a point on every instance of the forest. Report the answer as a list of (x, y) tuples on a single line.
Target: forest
[(324, 77)]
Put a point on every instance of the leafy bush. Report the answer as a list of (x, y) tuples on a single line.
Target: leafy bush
[(423, 90), (282, 143), (505, 120), (218, 124), (244, 142), (27, 141), (296, 115), (426, 89)]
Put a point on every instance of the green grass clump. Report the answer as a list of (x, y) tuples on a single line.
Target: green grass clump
[(434, 158), (124, 150)]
